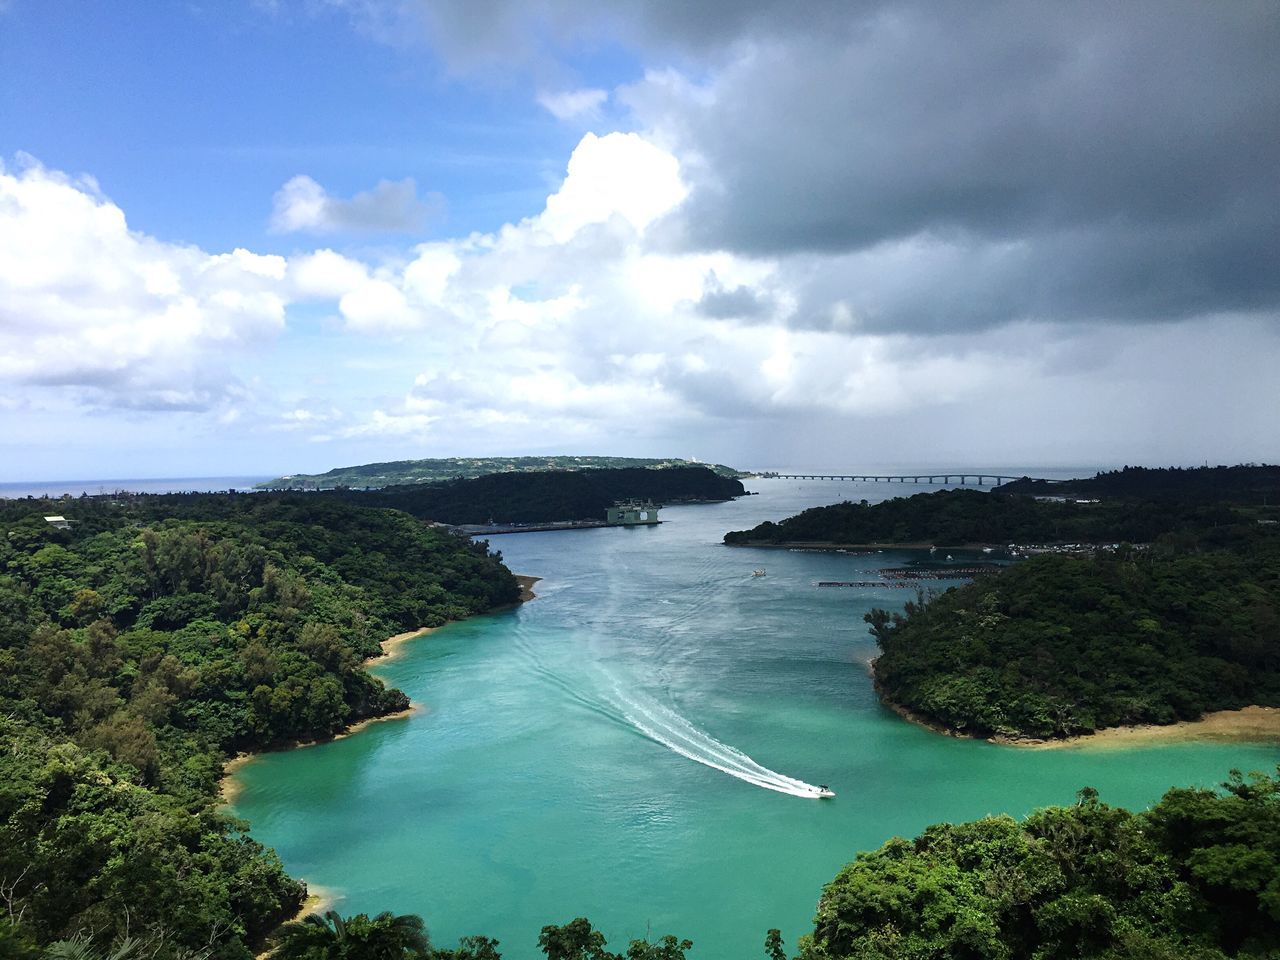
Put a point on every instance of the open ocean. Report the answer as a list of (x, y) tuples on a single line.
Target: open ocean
[(75, 488)]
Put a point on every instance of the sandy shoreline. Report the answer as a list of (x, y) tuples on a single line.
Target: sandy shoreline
[(230, 786), (1253, 724), (393, 647), (318, 898)]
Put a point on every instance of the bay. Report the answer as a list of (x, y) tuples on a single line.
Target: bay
[(624, 747)]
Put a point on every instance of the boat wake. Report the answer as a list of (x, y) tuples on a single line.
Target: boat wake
[(668, 728), (644, 715)]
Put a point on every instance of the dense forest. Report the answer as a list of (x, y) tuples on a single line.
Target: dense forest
[(1136, 504), (1196, 877), (154, 638), (1254, 484), (541, 497), (397, 472), (957, 517), (1057, 645)]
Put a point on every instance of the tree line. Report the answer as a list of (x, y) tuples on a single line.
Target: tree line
[(959, 517), (1243, 484), (543, 497), (156, 637)]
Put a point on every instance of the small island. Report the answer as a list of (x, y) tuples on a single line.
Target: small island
[(545, 496)]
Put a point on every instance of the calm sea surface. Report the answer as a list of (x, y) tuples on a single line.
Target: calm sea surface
[(629, 746)]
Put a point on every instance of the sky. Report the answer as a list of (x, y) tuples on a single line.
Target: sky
[(278, 236)]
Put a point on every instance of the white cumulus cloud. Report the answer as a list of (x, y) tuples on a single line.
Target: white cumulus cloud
[(620, 174), (86, 302)]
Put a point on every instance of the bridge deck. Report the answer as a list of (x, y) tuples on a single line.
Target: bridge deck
[(958, 477)]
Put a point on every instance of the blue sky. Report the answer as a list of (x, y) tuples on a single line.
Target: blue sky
[(234, 98), (268, 236)]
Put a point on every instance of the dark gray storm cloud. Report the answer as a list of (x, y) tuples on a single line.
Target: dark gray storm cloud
[(1084, 161), (737, 303), (469, 34), (994, 119), (1079, 162)]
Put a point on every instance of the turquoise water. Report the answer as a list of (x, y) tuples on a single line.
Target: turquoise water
[(622, 748)]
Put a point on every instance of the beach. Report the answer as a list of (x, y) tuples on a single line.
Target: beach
[(392, 647), (1251, 724), (1254, 723)]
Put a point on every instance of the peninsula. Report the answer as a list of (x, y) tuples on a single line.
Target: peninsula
[(401, 472), (146, 640), (543, 496)]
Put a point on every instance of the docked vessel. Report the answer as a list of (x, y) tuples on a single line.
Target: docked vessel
[(632, 513)]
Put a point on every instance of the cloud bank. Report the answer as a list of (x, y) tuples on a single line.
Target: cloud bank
[(936, 231)]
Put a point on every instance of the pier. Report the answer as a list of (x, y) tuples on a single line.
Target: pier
[(940, 573), (902, 578)]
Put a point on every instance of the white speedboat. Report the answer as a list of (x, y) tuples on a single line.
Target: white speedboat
[(758, 573), (823, 791)]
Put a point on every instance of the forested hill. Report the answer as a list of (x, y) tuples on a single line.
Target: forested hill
[(1059, 645), (1056, 645), (1246, 484), (546, 496), (1193, 878), (955, 517), (400, 472), (157, 636)]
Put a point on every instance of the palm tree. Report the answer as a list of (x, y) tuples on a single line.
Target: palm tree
[(385, 937), (311, 938), (81, 947), (391, 937)]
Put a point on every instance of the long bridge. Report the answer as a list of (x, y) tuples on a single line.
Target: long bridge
[(959, 478)]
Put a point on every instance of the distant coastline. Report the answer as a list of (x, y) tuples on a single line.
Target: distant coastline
[(54, 489)]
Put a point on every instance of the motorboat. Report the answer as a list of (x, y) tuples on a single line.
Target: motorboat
[(822, 791), (758, 573)]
